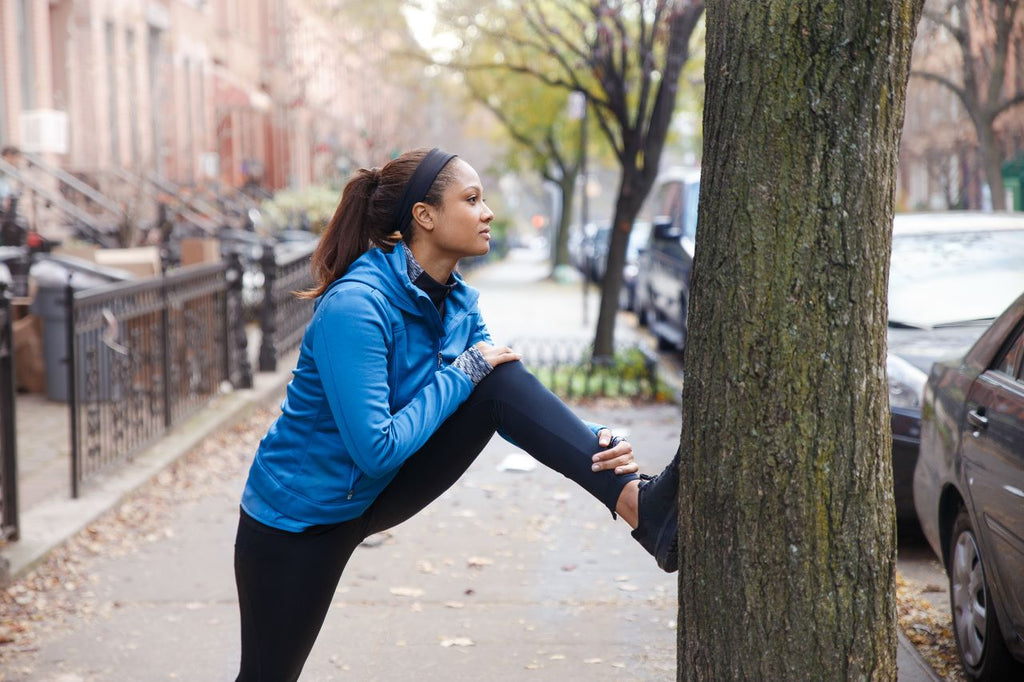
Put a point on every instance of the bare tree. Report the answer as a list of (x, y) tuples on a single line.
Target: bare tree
[(626, 57), (787, 530), (989, 38)]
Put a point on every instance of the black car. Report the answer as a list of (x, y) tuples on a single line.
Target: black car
[(951, 274), (663, 279), (969, 493), (638, 238)]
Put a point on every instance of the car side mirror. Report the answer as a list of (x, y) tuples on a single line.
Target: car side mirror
[(664, 229)]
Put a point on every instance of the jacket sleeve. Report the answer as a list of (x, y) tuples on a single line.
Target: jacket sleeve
[(351, 341)]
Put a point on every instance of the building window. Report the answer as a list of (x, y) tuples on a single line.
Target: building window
[(23, 21), (133, 95), (155, 98), (115, 138)]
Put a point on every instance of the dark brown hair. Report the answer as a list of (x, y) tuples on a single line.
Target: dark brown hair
[(365, 216)]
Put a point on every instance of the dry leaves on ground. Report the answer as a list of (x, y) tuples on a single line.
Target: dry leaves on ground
[(60, 588), (928, 629)]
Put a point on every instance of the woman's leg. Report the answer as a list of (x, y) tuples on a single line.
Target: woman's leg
[(514, 403), (286, 580), (285, 585)]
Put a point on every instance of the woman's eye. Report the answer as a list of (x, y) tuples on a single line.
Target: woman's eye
[(472, 200)]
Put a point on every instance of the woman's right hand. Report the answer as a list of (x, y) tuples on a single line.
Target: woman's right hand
[(497, 355)]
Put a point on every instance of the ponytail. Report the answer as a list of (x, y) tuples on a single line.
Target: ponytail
[(365, 217)]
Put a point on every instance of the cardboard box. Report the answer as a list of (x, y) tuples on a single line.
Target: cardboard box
[(143, 261), (198, 250), (77, 250), (29, 365)]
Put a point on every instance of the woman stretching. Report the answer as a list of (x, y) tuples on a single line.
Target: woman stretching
[(398, 388)]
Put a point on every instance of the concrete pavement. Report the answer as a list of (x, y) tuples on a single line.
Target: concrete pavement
[(511, 574)]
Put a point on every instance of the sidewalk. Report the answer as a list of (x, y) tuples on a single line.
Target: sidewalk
[(510, 575)]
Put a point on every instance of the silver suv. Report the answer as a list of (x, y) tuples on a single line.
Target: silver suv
[(663, 280)]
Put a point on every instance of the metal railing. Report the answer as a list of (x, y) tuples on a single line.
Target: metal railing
[(85, 189), (83, 220), (284, 316), (566, 367), (8, 443), (143, 356)]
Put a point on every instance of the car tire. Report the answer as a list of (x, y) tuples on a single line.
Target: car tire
[(983, 653), (643, 315)]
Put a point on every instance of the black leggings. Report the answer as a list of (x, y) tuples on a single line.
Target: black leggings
[(286, 580)]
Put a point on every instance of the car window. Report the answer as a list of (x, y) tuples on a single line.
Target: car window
[(670, 199), (1009, 362), (956, 277), (689, 216)]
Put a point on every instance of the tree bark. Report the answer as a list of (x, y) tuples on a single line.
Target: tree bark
[(787, 530)]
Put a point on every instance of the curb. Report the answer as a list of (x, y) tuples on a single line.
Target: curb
[(51, 523)]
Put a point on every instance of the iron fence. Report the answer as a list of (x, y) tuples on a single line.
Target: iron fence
[(567, 368), (8, 461), (284, 316), (143, 356)]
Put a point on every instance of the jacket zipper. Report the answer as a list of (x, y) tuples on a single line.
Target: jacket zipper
[(352, 483)]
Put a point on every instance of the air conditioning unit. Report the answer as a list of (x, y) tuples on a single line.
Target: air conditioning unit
[(44, 131)]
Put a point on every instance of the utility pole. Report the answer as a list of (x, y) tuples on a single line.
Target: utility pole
[(578, 112)]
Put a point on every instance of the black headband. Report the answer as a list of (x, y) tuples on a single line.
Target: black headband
[(418, 186)]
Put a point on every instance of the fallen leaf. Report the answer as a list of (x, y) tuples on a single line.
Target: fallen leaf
[(406, 591)]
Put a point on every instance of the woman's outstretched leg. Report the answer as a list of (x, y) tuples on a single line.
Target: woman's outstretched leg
[(512, 402)]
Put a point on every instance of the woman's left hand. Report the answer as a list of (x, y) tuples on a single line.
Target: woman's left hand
[(617, 455)]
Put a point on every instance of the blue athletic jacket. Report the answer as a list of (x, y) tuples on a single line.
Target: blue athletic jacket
[(373, 382)]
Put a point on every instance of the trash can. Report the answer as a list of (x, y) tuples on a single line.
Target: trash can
[(16, 262), (1013, 181), (50, 306)]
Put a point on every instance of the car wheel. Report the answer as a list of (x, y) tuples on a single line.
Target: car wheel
[(983, 653), (643, 316)]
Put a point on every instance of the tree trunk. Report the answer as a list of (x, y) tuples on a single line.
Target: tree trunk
[(634, 188), (565, 187), (992, 166), (787, 530)]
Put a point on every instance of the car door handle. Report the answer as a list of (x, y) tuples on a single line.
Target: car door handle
[(977, 419)]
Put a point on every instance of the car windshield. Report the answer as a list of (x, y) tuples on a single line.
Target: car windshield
[(951, 278)]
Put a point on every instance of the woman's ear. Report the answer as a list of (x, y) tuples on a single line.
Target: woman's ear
[(423, 214)]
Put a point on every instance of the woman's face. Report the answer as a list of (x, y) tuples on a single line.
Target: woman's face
[(463, 222)]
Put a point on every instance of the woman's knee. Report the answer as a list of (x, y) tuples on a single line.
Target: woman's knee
[(507, 379)]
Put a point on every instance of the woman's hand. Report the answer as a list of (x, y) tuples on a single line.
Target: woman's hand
[(496, 355), (617, 455)]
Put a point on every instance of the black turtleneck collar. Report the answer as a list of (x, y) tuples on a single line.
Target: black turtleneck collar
[(431, 287)]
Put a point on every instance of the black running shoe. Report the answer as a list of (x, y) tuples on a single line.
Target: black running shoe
[(658, 516)]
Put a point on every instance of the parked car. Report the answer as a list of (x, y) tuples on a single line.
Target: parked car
[(581, 245), (951, 274), (663, 279), (638, 238), (969, 492)]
